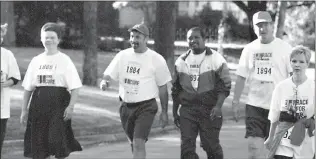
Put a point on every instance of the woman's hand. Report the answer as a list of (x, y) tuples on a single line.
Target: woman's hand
[(23, 117), (68, 112), (268, 143)]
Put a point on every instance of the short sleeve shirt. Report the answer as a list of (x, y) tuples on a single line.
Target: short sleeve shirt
[(264, 65), (139, 74), (287, 97), (9, 69), (51, 70)]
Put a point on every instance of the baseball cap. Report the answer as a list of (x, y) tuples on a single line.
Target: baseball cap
[(261, 16), (142, 28)]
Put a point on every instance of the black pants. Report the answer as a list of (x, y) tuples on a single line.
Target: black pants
[(282, 157), (196, 120), (3, 131)]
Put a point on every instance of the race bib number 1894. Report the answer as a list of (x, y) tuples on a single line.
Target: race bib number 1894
[(263, 66)]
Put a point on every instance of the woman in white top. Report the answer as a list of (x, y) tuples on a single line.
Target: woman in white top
[(49, 79), (10, 75), (292, 112)]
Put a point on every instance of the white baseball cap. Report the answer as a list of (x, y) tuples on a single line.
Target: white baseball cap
[(261, 16)]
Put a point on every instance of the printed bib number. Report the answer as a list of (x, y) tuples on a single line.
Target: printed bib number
[(133, 68), (131, 86), (194, 78), (46, 74), (194, 75), (286, 138), (263, 66), (287, 135), (45, 80)]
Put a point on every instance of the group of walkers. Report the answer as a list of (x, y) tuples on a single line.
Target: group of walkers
[(279, 109)]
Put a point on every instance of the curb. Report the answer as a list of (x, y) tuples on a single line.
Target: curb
[(94, 140)]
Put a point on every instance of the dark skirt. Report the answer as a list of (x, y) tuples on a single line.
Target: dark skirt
[(46, 132)]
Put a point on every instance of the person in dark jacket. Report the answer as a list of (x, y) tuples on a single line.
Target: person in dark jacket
[(201, 83)]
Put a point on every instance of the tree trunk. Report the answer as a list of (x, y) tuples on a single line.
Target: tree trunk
[(222, 29), (7, 16), (251, 8), (165, 31), (90, 66), (280, 18)]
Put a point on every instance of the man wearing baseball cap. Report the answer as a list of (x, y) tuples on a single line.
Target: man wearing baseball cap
[(263, 63), (143, 75)]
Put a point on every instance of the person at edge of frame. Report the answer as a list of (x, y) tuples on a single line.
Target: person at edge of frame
[(263, 63), (10, 76), (292, 112)]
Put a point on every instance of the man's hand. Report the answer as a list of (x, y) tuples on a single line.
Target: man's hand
[(235, 109), (104, 85), (176, 120), (216, 112), (163, 119), (68, 112)]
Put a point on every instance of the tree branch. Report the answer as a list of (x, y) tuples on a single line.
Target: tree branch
[(308, 4), (241, 5)]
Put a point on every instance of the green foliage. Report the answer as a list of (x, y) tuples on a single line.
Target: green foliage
[(209, 17), (210, 20), (236, 32), (300, 25), (31, 15)]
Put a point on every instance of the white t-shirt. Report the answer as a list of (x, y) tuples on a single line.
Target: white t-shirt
[(139, 74), (9, 68), (264, 65), (194, 63), (286, 95), (51, 70)]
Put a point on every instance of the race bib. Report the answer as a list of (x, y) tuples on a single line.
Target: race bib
[(285, 141), (45, 77), (131, 86), (263, 66), (194, 75), (133, 68)]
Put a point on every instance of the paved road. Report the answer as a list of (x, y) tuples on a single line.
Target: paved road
[(168, 146), (165, 146)]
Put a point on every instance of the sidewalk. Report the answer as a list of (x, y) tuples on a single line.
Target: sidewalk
[(104, 105), (166, 145)]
